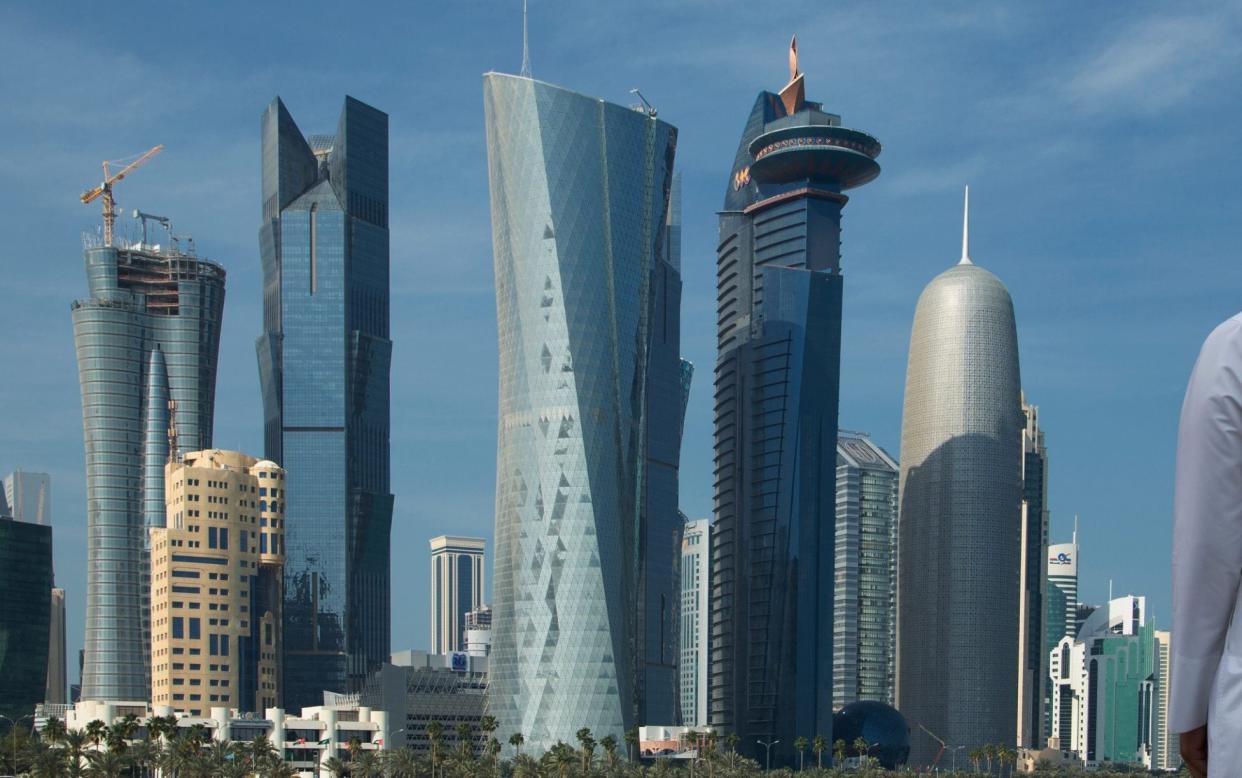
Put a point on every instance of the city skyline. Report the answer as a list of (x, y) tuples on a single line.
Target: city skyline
[(185, 188)]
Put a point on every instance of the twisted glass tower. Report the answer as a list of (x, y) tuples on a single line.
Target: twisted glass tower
[(323, 367), (147, 342), (777, 380), (591, 399), (960, 516)]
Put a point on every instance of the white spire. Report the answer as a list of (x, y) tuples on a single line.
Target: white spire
[(525, 45), (966, 231)]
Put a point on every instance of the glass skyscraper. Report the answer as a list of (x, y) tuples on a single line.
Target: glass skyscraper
[(324, 361), (778, 363), (865, 598), (25, 615), (588, 535), (147, 341), (1033, 576)]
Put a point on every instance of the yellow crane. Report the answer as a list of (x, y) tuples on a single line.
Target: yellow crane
[(105, 188)]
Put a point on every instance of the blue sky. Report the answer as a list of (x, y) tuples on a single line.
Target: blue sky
[(1099, 141)]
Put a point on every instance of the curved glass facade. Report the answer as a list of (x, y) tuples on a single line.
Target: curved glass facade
[(777, 381), (150, 312), (960, 515), (324, 361), (587, 528)]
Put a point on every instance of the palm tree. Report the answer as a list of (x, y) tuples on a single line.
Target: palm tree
[(49, 762), (516, 740), (336, 767), (143, 754), (588, 747), (366, 765), (819, 745), (609, 744), (989, 753), (402, 763), (54, 730), (731, 740), (800, 744), (75, 743), (838, 753), (488, 724), (435, 731), (95, 732), (106, 764), (631, 740), (861, 746), (562, 756), (975, 756), (465, 740)]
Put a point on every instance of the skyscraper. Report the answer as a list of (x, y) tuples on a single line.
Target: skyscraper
[(1061, 609), (864, 621), (457, 576), (324, 359), (695, 625), (25, 581), (57, 658), (1032, 580), (588, 535), (216, 584), (776, 390), (1106, 686), (27, 497), (147, 341), (960, 524)]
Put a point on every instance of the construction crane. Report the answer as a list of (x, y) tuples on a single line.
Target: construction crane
[(943, 746), (105, 188)]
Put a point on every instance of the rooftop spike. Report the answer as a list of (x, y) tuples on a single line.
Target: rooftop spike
[(525, 45), (966, 230)]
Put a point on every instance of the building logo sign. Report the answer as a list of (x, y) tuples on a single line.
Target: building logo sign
[(461, 662), (1061, 559), (741, 178)]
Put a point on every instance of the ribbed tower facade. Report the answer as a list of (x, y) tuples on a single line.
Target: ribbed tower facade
[(960, 511), (324, 359), (777, 380), (865, 600), (588, 535), (147, 341), (1033, 574)]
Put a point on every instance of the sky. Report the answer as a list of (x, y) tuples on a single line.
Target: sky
[(1099, 141)]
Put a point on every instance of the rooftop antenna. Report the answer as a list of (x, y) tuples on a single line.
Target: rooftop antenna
[(966, 230), (525, 45), (647, 107), (1075, 529)]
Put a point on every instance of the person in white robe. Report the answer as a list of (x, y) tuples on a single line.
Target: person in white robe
[(1206, 688)]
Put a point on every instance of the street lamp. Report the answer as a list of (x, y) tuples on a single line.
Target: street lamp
[(955, 750), (13, 724), (768, 746)]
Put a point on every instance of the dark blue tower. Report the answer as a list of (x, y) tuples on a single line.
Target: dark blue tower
[(777, 382), (323, 364)]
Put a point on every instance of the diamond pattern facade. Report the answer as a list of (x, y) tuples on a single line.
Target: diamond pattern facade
[(590, 410)]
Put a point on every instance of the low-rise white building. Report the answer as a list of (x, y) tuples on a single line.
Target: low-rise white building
[(306, 741)]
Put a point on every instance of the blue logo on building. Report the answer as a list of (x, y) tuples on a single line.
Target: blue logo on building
[(461, 663)]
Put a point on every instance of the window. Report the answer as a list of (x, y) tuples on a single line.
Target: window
[(224, 538), (178, 628), (195, 631), (211, 537), (224, 645), (213, 645)]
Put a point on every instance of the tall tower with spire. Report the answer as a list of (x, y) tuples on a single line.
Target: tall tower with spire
[(778, 363), (960, 522)]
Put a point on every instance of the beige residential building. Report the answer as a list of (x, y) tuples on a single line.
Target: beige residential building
[(216, 587), (456, 589)]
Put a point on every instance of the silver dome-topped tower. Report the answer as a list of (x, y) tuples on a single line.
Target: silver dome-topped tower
[(961, 493)]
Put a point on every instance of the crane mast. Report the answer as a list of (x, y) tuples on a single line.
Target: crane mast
[(104, 189)]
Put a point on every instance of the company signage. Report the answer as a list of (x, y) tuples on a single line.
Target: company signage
[(461, 662)]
